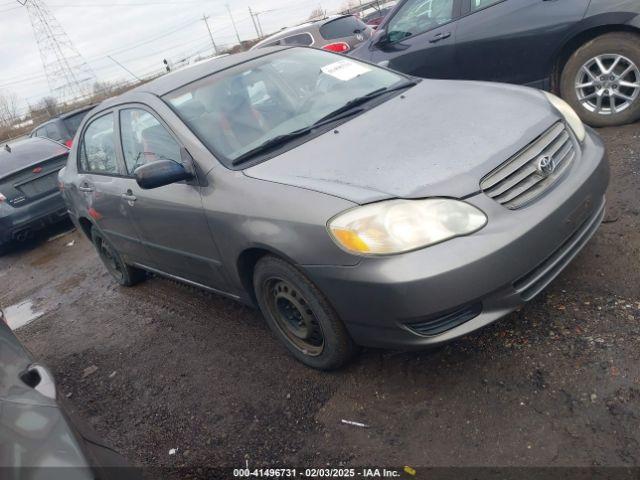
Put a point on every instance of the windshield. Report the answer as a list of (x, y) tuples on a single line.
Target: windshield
[(238, 110)]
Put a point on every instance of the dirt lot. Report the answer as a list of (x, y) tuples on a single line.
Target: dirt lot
[(556, 384)]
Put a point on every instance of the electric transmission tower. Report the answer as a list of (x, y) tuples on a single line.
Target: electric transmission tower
[(68, 74)]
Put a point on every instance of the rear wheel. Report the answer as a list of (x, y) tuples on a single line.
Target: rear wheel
[(122, 273), (300, 316), (601, 80)]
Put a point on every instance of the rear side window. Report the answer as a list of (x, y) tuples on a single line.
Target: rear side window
[(41, 132), (304, 39), (145, 140), (97, 151), (52, 132), (73, 122), (342, 27)]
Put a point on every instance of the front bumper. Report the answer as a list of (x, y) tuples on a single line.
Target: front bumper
[(456, 287), (31, 217)]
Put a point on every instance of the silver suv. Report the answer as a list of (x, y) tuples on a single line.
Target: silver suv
[(338, 34)]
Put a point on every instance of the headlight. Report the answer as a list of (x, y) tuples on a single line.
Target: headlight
[(569, 114), (397, 226)]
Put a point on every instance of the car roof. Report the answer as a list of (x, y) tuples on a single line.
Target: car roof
[(76, 111), (304, 27), (64, 116), (27, 151), (174, 80)]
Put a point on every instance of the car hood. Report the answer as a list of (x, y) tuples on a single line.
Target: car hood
[(438, 139)]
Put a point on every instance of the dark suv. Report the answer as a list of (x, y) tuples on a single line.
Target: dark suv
[(63, 128), (588, 51)]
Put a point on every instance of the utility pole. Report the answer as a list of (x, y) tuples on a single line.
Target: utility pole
[(257, 16), (255, 25), (233, 22), (205, 18)]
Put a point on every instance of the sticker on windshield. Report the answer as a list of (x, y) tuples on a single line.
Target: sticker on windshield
[(345, 70)]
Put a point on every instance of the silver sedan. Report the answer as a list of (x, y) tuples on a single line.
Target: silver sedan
[(353, 205)]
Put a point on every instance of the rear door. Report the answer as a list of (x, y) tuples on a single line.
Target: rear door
[(513, 41), (100, 185), (170, 219), (419, 39)]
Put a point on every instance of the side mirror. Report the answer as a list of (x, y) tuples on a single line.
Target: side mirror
[(160, 173), (381, 38)]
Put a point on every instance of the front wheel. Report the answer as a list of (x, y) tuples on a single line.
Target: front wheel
[(601, 80), (300, 316), (124, 274)]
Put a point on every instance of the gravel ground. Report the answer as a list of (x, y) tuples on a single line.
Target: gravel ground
[(555, 384)]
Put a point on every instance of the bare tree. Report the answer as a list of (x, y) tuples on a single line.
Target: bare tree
[(317, 14), (50, 105), (9, 110), (351, 5)]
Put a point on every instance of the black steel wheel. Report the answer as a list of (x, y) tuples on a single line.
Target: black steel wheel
[(122, 273), (300, 316), (294, 316)]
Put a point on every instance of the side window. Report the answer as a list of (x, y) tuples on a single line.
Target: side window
[(418, 16), (52, 132), (480, 4), (304, 39), (97, 151), (145, 140), (41, 132)]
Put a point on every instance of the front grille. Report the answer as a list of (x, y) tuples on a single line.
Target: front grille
[(524, 178)]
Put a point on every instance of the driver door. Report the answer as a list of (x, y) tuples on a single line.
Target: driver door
[(420, 39), (170, 219)]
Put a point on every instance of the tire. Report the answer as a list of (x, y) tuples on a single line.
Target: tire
[(607, 48), (294, 308), (124, 274)]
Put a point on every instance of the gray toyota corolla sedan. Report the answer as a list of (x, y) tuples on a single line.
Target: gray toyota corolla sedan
[(352, 204)]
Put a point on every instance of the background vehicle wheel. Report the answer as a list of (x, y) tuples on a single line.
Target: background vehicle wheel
[(601, 80), (124, 274), (300, 316)]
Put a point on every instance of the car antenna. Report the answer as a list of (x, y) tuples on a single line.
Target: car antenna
[(7, 147)]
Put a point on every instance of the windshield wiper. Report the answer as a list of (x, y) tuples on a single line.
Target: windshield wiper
[(271, 144), (362, 100)]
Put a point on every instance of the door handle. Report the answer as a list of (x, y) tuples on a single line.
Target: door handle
[(129, 197), (439, 36), (85, 188)]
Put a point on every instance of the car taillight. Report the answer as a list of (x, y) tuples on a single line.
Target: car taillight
[(2, 198), (338, 47), (69, 143)]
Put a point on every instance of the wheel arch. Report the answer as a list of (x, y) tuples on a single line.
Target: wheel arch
[(582, 38), (86, 225), (246, 264)]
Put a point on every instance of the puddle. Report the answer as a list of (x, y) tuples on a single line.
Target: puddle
[(21, 314)]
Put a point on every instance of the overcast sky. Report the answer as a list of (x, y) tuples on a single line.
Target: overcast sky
[(137, 33)]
